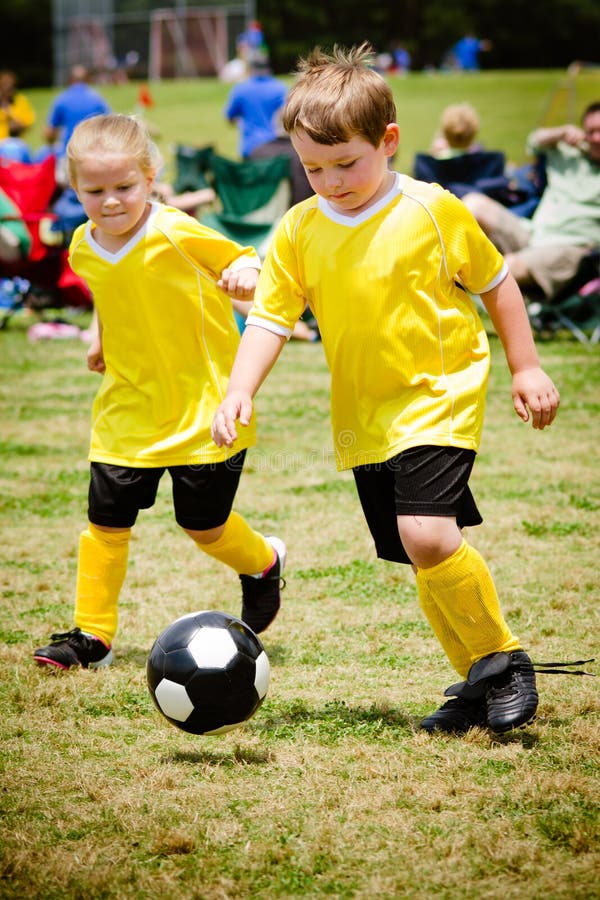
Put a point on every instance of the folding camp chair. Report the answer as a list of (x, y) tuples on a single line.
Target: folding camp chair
[(254, 195), (192, 168), (31, 188), (482, 171), (575, 308)]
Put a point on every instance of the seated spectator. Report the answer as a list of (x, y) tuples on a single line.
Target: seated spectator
[(16, 112), (77, 102), (459, 127), (546, 251), (15, 149)]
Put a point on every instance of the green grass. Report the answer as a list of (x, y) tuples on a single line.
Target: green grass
[(330, 790)]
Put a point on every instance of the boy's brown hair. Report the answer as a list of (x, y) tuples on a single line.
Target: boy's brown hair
[(339, 96)]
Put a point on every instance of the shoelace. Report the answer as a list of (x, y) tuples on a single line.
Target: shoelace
[(548, 668), (63, 636)]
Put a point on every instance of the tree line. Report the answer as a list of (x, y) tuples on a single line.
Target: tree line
[(538, 34)]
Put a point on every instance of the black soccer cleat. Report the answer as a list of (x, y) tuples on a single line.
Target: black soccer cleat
[(506, 684), (457, 716), (74, 648), (511, 696), (261, 595), (499, 691)]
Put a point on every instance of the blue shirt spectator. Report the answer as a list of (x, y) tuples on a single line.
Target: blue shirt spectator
[(77, 102), (254, 105), (465, 53)]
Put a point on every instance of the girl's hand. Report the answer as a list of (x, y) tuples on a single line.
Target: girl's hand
[(95, 357), (239, 283)]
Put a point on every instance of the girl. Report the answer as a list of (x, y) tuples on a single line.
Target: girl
[(166, 340)]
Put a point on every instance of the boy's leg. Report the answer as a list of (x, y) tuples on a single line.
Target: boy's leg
[(455, 650), (203, 497), (462, 588), (424, 491)]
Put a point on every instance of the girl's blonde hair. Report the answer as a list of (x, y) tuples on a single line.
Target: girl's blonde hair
[(339, 96), (112, 133), (459, 125)]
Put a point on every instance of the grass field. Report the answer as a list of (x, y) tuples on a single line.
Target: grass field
[(331, 790), (510, 104)]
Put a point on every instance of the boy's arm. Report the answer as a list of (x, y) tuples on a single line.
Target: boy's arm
[(531, 387), (256, 356)]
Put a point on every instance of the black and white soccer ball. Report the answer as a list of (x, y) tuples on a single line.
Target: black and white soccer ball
[(208, 672)]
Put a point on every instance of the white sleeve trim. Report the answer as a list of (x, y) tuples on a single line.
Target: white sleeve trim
[(254, 319), (497, 280)]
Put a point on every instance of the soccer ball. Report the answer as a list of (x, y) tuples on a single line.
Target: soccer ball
[(207, 672)]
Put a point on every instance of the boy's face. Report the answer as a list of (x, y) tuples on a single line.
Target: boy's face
[(351, 176), (113, 191)]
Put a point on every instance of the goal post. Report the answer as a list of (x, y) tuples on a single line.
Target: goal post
[(188, 45)]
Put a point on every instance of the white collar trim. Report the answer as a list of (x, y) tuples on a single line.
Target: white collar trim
[(352, 221), (126, 248)]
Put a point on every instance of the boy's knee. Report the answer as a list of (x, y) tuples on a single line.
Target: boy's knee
[(429, 540)]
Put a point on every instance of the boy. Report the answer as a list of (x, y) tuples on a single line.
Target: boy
[(385, 263)]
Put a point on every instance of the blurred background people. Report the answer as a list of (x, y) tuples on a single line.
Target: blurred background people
[(464, 54), (16, 112), (77, 102), (459, 127), (547, 249)]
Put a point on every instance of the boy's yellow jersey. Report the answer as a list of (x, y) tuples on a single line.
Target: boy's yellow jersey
[(169, 340), (407, 351)]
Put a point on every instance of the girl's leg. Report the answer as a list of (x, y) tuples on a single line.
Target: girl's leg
[(102, 566), (237, 545)]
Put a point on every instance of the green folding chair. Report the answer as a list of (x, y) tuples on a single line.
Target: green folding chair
[(192, 168), (253, 194)]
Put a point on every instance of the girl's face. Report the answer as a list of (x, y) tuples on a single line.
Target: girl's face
[(114, 193), (351, 176)]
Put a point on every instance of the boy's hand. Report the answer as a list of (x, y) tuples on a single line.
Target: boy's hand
[(237, 405), (239, 283), (533, 389)]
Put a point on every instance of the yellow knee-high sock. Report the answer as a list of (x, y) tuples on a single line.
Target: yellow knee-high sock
[(455, 650), (100, 576), (463, 589), (245, 550)]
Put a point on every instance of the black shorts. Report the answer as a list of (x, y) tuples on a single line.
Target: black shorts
[(422, 481), (202, 495)]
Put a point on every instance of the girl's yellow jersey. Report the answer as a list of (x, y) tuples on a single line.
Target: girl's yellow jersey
[(169, 340), (407, 351)]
